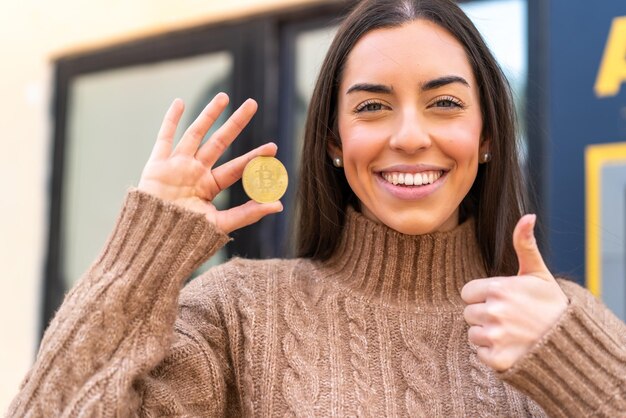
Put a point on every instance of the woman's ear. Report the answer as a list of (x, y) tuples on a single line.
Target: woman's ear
[(484, 151), (335, 153)]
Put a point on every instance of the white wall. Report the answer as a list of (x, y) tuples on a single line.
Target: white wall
[(32, 33)]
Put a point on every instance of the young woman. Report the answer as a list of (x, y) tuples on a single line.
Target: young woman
[(419, 291)]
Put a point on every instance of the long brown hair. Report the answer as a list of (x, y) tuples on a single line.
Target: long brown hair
[(497, 198)]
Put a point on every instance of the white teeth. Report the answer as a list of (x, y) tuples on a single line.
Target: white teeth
[(408, 179)]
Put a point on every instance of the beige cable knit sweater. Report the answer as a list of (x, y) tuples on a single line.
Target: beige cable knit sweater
[(376, 331)]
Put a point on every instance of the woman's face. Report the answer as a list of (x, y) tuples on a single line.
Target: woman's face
[(410, 126)]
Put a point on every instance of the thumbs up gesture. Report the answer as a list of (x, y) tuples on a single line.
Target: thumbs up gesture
[(508, 315)]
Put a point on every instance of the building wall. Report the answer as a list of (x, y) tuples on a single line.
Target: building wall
[(32, 34)]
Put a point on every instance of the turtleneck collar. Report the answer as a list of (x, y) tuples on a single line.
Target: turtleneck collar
[(380, 263)]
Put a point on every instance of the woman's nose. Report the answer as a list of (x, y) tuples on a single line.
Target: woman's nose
[(410, 135)]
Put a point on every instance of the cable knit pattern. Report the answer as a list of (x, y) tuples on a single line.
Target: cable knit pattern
[(484, 387), (248, 307), (377, 330), (359, 355), (301, 382), (419, 367)]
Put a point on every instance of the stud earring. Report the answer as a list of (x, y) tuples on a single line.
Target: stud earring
[(338, 162), (485, 158)]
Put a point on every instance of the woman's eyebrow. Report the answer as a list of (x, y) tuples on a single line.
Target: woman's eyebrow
[(429, 85), (370, 88), (442, 81)]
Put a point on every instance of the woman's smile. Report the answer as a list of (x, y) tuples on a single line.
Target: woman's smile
[(410, 184), (412, 179)]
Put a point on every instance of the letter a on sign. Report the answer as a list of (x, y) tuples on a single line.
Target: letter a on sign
[(612, 71)]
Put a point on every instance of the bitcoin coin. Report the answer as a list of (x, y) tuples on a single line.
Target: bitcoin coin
[(264, 179)]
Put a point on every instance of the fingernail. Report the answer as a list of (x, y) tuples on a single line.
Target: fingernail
[(530, 233)]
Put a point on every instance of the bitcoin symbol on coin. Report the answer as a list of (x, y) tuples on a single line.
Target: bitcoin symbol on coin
[(265, 179)]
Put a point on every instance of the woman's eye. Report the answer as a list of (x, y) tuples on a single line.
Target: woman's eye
[(369, 107), (445, 103), (448, 103)]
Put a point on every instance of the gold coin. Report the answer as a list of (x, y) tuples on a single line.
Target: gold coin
[(264, 179)]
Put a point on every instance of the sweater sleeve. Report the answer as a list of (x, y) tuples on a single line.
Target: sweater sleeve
[(117, 323), (578, 369)]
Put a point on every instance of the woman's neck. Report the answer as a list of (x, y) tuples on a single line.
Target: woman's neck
[(423, 271)]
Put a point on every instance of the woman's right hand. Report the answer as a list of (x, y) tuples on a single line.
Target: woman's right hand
[(186, 176)]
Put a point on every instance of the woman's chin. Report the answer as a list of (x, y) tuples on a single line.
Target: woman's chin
[(415, 223)]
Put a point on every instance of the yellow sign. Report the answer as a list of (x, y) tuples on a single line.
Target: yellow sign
[(596, 157), (612, 71)]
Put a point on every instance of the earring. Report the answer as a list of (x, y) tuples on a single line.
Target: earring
[(485, 158), (338, 162)]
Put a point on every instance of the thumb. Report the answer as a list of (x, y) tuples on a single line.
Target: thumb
[(528, 255)]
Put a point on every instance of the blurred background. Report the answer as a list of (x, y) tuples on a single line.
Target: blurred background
[(85, 84)]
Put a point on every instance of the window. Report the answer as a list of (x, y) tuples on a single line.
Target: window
[(111, 122)]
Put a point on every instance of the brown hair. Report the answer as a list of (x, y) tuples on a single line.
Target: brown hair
[(497, 198)]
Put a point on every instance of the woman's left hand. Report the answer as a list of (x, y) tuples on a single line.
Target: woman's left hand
[(508, 315)]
